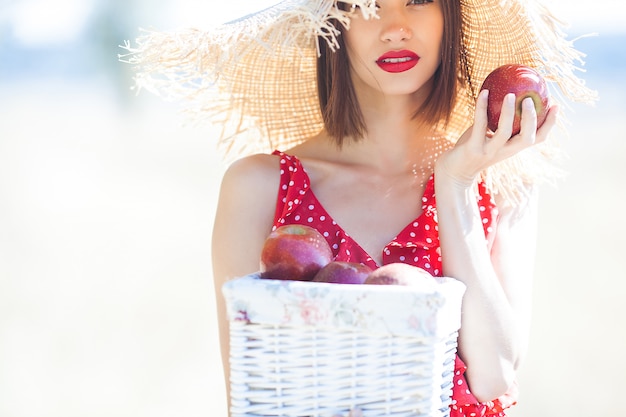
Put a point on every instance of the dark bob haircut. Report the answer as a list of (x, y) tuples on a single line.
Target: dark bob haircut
[(340, 110)]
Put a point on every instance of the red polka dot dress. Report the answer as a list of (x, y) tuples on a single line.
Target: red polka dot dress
[(417, 244)]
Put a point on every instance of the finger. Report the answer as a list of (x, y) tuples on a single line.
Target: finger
[(507, 115), (550, 122), (477, 132), (480, 115), (528, 123)]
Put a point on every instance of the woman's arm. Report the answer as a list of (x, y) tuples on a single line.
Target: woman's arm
[(244, 217), (496, 306)]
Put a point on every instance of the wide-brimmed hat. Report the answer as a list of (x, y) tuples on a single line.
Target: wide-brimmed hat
[(255, 78)]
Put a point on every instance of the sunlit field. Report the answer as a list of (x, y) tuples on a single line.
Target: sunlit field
[(106, 209)]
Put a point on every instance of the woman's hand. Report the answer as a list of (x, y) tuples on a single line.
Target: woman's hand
[(478, 148), (493, 338)]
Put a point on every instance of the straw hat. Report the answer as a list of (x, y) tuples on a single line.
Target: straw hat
[(255, 77)]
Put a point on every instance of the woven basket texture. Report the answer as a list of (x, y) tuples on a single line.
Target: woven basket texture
[(325, 366)]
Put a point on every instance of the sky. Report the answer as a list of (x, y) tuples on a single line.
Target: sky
[(31, 24)]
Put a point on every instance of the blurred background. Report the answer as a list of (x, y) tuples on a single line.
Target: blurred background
[(106, 208)]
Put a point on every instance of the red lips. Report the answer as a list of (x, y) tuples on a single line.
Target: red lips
[(398, 61)]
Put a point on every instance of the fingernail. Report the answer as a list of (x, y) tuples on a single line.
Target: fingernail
[(510, 98)]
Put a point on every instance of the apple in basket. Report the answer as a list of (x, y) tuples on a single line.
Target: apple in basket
[(338, 272), (524, 82), (294, 252), (397, 274)]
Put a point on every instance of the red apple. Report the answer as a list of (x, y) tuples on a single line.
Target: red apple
[(397, 274), (338, 272), (294, 252), (524, 82)]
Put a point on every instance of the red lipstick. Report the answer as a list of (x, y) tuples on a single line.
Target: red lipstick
[(398, 61)]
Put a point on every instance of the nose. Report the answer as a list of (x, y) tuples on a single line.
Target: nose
[(395, 27)]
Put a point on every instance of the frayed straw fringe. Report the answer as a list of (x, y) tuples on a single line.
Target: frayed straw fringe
[(198, 67), (213, 72), (169, 64)]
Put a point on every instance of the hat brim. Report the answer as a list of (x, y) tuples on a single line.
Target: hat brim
[(255, 77)]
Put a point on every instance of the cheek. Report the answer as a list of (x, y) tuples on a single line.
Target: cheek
[(351, 38), (436, 38), (440, 50), (435, 28), (354, 51)]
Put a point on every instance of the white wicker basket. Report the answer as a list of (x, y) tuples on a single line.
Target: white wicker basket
[(316, 349)]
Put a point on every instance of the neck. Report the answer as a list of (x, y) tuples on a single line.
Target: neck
[(389, 149), (391, 116), (394, 138)]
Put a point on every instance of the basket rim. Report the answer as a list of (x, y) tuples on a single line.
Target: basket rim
[(429, 310)]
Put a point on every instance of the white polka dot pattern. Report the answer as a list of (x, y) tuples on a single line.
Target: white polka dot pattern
[(417, 244)]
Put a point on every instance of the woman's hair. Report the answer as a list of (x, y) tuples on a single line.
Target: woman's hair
[(340, 110)]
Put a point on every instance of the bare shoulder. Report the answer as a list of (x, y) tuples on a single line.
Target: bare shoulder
[(245, 214), (249, 189), (255, 178), (253, 170)]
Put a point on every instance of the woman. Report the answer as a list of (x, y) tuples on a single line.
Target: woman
[(373, 183), (391, 103)]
